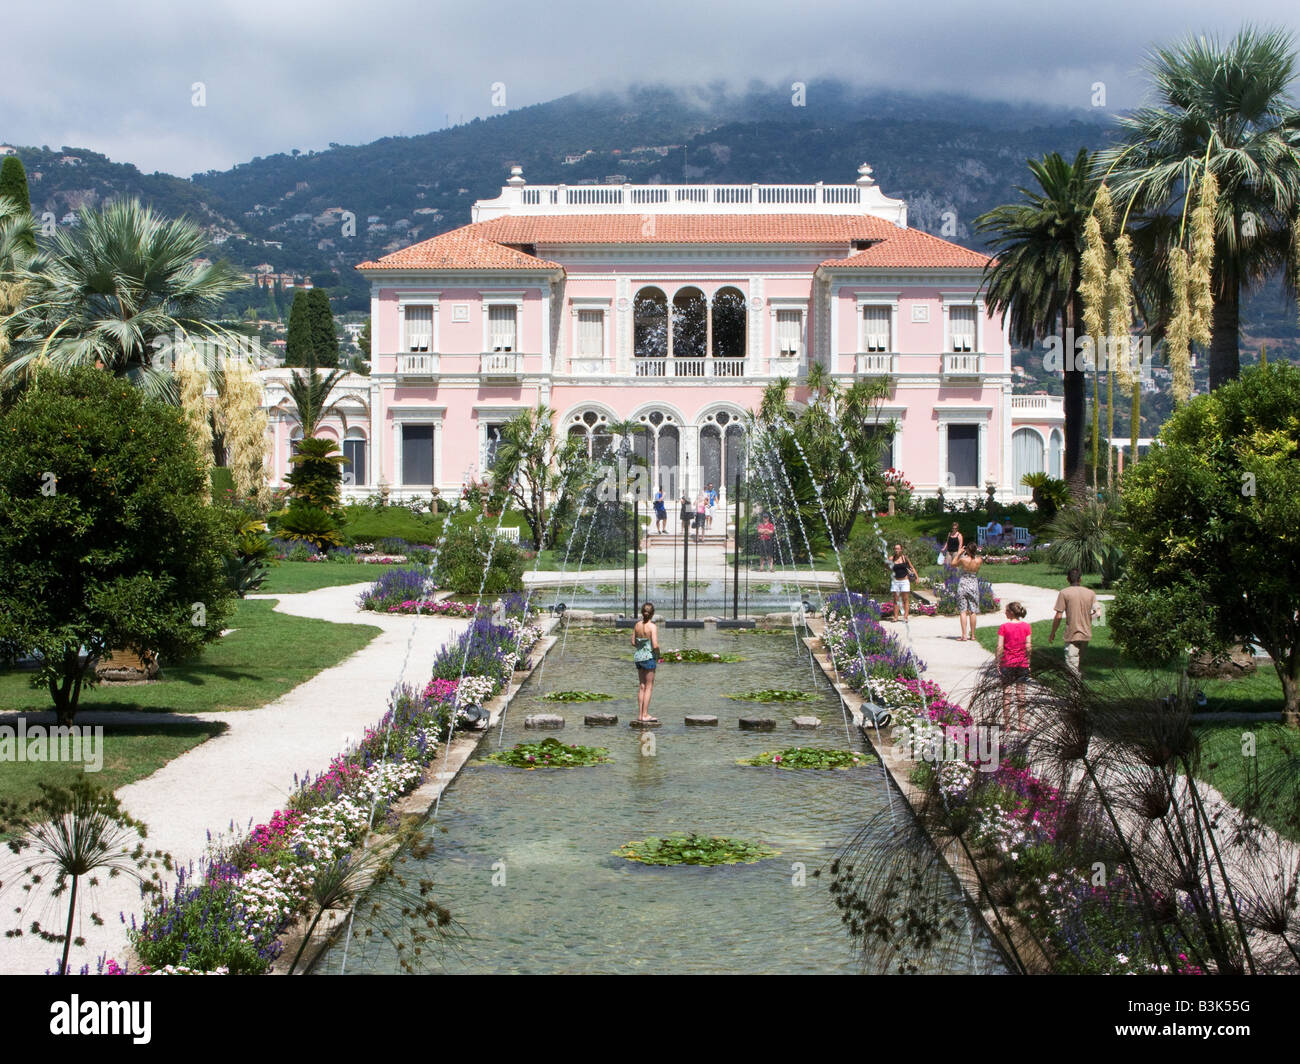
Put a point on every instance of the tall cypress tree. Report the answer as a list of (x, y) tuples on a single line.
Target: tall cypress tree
[(324, 340), (13, 181), (298, 344)]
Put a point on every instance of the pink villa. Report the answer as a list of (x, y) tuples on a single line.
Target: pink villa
[(675, 306)]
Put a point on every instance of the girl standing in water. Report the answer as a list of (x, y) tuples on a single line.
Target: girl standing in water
[(645, 638)]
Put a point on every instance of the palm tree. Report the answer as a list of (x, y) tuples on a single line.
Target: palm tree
[(310, 395), (1034, 277), (17, 244), (120, 289), (1226, 106)]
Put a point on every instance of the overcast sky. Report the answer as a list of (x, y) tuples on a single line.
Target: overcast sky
[(119, 78)]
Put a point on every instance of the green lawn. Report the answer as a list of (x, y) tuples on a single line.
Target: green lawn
[(1036, 574), (1260, 693), (267, 655), (130, 752), (1225, 762), (289, 578)]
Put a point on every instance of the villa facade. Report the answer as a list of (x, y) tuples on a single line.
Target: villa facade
[(674, 306)]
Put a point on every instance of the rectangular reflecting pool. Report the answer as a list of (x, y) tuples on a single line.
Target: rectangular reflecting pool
[(523, 859)]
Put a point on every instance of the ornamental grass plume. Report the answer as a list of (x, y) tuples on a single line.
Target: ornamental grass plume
[(1178, 331), (1094, 277), (1119, 311), (193, 382), (1200, 296), (242, 423)]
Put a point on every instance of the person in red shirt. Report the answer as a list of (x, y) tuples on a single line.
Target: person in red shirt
[(1014, 644)]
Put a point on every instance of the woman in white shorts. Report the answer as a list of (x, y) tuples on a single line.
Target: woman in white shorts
[(899, 567)]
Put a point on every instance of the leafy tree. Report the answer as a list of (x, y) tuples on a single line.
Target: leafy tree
[(105, 542), (363, 340), (119, 290), (324, 338), (298, 346), (830, 450), (542, 475), (1226, 106), (1212, 517), (13, 182), (1038, 244)]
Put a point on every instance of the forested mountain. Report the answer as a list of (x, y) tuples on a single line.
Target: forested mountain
[(940, 153)]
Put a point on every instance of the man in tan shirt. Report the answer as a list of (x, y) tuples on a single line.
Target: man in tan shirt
[(1078, 604)]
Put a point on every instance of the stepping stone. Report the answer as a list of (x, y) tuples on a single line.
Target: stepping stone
[(701, 720), (599, 719), (807, 722), (544, 720), (634, 723), (757, 724)]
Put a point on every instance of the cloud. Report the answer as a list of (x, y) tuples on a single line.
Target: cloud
[(120, 80)]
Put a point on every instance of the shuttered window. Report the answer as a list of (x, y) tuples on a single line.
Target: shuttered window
[(419, 328), (789, 332), (875, 329), (502, 328), (961, 324)]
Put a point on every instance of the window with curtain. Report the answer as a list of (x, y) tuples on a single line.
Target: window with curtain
[(419, 328), (789, 332), (591, 333), (502, 328), (961, 325), (964, 455), (417, 454), (354, 450), (875, 329), (1026, 455)]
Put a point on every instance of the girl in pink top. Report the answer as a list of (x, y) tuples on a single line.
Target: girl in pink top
[(1014, 644)]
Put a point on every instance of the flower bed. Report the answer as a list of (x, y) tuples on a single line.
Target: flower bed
[(229, 913), (684, 849), (396, 587), (1009, 820), (431, 608), (921, 609)]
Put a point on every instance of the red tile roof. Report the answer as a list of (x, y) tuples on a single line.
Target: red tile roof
[(461, 249), (912, 248), (488, 245)]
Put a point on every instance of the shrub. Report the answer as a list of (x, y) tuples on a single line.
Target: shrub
[(105, 540), (1087, 538), (310, 524), (473, 557), (864, 565)]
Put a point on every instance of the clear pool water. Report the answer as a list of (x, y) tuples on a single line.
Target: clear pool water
[(568, 905)]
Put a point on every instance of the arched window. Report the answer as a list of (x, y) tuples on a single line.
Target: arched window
[(728, 323), (295, 438), (659, 444), (1055, 446), (354, 450), (1026, 456), (650, 324), (690, 328), (593, 428), (722, 450)]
